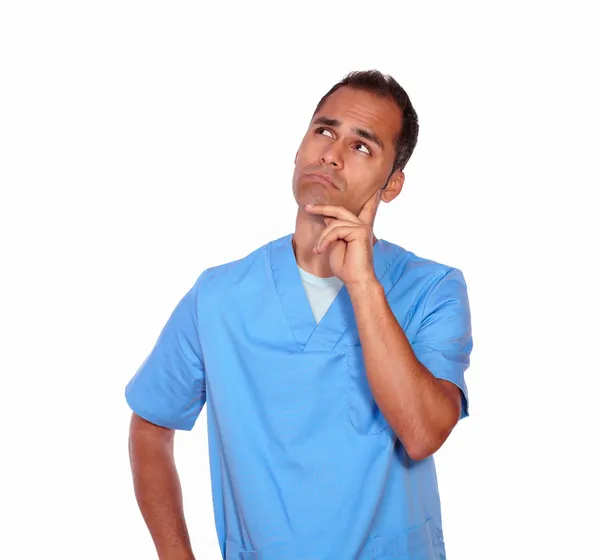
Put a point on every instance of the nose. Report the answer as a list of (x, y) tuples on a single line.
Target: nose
[(331, 157)]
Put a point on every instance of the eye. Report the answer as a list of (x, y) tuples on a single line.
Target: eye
[(366, 148), (321, 129)]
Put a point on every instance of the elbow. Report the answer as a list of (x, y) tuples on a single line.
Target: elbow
[(421, 448), (419, 453)]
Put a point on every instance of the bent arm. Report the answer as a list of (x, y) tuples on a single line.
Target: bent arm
[(421, 409), (158, 489)]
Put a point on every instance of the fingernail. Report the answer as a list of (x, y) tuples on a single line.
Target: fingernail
[(308, 205)]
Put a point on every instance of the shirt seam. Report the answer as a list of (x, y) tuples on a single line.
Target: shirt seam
[(432, 288)]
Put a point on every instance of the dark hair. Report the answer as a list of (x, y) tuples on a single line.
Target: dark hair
[(383, 85)]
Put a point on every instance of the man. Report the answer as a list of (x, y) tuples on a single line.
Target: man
[(331, 363)]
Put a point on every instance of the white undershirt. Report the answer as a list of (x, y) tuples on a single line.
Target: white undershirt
[(320, 292)]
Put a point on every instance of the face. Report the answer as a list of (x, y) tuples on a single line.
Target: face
[(348, 151)]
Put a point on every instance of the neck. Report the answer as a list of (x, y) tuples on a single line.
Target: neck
[(308, 230)]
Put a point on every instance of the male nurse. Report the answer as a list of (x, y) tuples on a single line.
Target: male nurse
[(331, 364)]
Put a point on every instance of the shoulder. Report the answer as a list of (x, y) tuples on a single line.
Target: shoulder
[(409, 265), (417, 277), (249, 269)]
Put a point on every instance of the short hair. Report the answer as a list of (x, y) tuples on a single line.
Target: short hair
[(384, 85)]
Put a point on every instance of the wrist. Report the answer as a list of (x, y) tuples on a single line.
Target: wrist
[(368, 287)]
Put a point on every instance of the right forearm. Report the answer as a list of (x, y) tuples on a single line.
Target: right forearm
[(158, 493)]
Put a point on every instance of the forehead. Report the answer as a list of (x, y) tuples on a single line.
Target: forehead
[(358, 108)]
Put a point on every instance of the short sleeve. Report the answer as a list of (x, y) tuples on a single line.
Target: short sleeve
[(443, 342), (169, 387)]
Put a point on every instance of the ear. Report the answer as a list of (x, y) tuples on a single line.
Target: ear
[(394, 186)]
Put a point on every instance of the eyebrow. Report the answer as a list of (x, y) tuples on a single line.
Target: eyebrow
[(363, 133)]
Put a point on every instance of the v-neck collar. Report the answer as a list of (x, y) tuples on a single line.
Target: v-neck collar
[(323, 336)]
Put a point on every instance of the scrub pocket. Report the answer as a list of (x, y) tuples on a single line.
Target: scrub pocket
[(236, 551), (421, 543), (363, 411)]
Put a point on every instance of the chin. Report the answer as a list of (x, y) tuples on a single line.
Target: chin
[(314, 194)]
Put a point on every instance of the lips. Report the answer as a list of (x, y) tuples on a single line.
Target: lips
[(322, 178)]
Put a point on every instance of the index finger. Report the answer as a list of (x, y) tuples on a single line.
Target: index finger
[(367, 214), (339, 212)]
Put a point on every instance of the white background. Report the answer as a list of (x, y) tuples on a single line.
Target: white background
[(143, 141)]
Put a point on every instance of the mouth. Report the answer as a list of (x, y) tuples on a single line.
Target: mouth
[(322, 178)]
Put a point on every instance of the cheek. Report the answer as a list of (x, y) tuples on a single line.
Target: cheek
[(372, 176), (362, 184), (311, 147), (306, 150)]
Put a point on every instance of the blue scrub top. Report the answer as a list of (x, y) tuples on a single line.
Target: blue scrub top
[(303, 464)]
